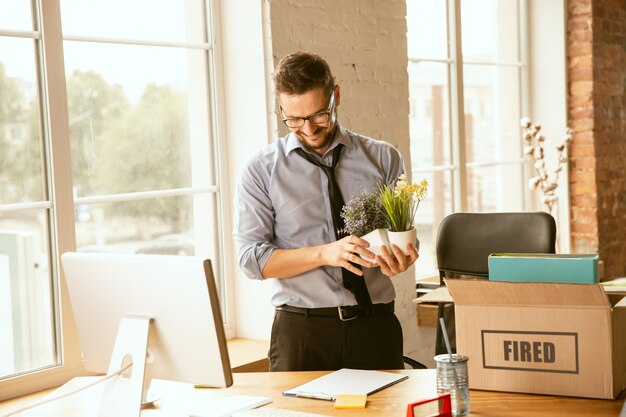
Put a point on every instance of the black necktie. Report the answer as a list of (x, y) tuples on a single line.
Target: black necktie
[(351, 281)]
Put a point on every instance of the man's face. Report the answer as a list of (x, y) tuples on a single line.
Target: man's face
[(316, 137)]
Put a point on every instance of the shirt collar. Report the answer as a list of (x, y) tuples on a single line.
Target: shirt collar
[(341, 137)]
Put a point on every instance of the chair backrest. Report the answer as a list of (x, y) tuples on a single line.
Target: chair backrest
[(465, 240)]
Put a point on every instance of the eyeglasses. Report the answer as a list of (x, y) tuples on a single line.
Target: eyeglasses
[(315, 119)]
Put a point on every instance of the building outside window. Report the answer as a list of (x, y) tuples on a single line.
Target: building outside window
[(467, 64), (111, 149)]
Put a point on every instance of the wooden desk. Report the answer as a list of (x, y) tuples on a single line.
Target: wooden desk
[(390, 402)]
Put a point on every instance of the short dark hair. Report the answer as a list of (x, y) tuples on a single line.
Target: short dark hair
[(300, 72)]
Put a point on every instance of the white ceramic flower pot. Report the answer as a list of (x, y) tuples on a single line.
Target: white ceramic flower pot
[(377, 239), (402, 238)]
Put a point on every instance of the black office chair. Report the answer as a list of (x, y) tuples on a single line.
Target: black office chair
[(465, 241), (413, 364)]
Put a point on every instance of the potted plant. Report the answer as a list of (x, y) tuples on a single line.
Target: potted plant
[(364, 217), (400, 202)]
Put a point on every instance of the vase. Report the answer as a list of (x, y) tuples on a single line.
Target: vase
[(377, 239), (402, 238)]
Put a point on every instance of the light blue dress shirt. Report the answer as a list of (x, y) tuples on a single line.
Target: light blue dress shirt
[(282, 202)]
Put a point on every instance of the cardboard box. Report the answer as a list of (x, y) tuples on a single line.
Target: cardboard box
[(541, 338), (427, 315), (530, 267)]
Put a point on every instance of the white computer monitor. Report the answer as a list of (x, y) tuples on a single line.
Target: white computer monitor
[(186, 339)]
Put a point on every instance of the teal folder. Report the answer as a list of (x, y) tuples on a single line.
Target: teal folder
[(531, 267)]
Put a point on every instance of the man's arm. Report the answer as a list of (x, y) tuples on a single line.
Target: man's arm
[(260, 258), (287, 263)]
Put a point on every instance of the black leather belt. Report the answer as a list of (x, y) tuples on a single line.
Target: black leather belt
[(343, 313)]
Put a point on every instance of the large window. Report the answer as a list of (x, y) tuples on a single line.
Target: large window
[(145, 179), (107, 144), (467, 90)]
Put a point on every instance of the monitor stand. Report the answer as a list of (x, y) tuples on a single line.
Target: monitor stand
[(124, 394)]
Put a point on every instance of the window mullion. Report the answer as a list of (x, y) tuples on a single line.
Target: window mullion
[(457, 118), (525, 93), (60, 173), (135, 42), (218, 146)]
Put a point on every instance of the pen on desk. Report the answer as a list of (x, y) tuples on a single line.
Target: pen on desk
[(315, 395)]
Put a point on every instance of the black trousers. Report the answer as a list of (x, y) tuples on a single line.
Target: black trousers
[(307, 343)]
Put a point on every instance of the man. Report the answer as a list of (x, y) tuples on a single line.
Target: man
[(333, 308)]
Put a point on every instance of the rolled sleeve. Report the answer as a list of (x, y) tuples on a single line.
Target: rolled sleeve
[(253, 257), (253, 222)]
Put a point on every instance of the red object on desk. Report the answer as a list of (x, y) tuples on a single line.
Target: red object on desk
[(433, 407)]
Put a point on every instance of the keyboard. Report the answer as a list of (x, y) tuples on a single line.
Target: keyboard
[(274, 412)]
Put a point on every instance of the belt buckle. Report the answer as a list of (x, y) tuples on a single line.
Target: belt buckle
[(340, 310)]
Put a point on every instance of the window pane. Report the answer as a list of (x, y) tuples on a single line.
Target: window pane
[(492, 113), (26, 319), (426, 32), (166, 226), (21, 177), (490, 30), (159, 226), (139, 126), (17, 16), (429, 114), (495, 188), (436, 205), (165, 20)]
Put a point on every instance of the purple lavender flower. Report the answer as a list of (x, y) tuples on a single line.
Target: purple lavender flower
[(362, 214)]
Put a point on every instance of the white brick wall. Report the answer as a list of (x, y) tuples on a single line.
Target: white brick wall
[(364, 41)]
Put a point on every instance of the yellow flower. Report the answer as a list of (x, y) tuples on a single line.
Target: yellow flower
[(419, 190), (400, 202)]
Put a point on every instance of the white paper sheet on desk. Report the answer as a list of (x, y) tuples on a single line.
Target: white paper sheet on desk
[(225, 407), (347, 381)]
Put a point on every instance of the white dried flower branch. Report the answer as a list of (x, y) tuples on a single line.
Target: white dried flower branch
[(545, 180)]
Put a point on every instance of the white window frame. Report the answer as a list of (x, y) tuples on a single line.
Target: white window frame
[(455, 64), (542, 67), (61, 201)]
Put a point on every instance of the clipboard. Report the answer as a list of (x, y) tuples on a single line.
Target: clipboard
[(345, 381)]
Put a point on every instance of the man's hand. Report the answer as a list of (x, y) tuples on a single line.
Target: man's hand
[(346, 250), (396, 262)]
